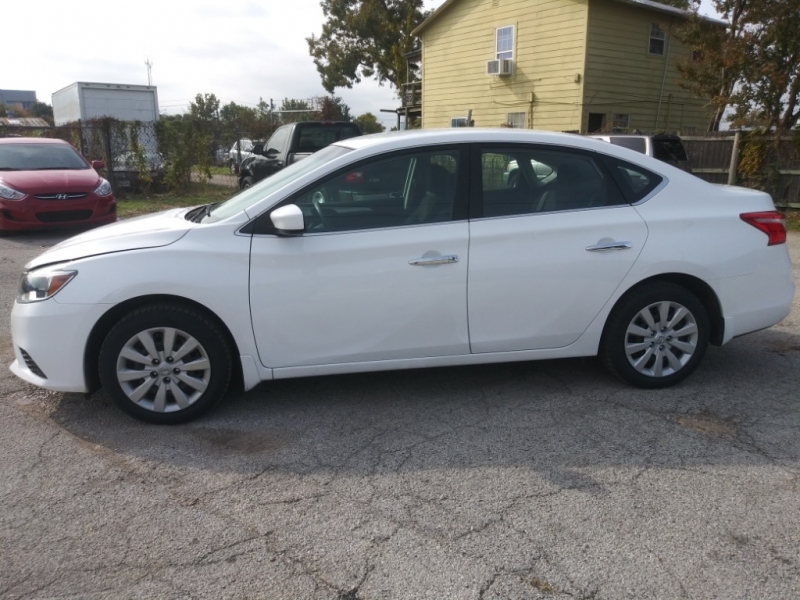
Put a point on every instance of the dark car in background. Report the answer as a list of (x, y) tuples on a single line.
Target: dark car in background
[(47, 183), (289, 144)]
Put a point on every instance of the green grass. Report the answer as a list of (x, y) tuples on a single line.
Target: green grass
[(792, 219), (134, 205), (220, 170)]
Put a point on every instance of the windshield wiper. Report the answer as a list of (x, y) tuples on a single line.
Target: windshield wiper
[(197, 215), (192, 214), (207, 211)]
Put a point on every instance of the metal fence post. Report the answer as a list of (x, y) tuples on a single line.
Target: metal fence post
[(109, 157), (733, 169)]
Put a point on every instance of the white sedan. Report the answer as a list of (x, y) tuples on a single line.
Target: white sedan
[(407, 250)]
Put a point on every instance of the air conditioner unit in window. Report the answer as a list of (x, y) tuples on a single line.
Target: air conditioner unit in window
[(501, 67)]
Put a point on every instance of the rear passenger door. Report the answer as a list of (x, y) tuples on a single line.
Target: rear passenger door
[(551, 238)]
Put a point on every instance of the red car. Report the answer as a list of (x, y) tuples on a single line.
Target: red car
[(47, 183)]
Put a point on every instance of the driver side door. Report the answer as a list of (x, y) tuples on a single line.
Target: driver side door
[(379, 273)]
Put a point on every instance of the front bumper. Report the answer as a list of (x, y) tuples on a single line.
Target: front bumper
[(32, 213), (50, 343)]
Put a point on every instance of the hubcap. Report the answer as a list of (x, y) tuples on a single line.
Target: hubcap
[(661, 339), (163, 369)]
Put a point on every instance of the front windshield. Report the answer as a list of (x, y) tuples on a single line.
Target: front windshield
[(40, 157), (246, 198)]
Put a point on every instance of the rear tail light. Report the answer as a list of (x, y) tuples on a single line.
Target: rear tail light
[(772, 223)]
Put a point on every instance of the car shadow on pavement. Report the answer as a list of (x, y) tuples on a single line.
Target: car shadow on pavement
[(554, 417), (44, 238)]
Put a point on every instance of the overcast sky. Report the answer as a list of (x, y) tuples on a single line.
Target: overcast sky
[(239, 50)]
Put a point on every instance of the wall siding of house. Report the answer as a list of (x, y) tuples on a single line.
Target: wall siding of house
[(623, 77), (549, 47)]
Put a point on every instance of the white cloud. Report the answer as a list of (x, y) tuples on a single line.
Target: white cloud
[(239, 50)]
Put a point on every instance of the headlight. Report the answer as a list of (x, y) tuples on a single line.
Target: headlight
[(42, 284), (104, 189), (8, 193)]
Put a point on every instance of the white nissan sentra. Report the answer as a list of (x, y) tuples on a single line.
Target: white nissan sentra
[(399, 251)]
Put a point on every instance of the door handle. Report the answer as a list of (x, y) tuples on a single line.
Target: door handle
[(434, 260), (609, 246)]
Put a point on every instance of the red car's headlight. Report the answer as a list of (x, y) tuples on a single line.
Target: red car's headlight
[(104, 189), (9, 193)]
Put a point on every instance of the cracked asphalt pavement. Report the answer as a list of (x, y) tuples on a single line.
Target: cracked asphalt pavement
[(521, 481)]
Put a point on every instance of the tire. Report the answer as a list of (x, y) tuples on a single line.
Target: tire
[(165, 393), (639, 344), (246, 182)]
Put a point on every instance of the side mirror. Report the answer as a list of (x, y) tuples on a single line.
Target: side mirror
[(272, 153), (288, 219), (98, 164)]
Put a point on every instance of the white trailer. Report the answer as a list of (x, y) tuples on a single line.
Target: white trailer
[(83, 101)]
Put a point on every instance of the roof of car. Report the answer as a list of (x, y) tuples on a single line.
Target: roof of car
[(31, 140), (416, 137)]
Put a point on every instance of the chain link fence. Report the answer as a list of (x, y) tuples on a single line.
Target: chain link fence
[(168, 155), (184, 154)]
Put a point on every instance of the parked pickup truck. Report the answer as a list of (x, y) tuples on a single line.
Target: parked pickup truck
[(289, 144)]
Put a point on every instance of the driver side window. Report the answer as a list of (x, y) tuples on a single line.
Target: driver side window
[(408, 189), (278, 139)]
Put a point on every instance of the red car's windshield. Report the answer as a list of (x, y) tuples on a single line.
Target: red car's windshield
[(40, 157)]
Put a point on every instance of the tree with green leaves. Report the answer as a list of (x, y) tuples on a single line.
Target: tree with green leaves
[(364, 39), (770, 79), (752, 65), (42, 110), (368, 123), (331, 108), (205, 107)]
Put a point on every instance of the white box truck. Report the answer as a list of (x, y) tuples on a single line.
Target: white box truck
[(83, 101)]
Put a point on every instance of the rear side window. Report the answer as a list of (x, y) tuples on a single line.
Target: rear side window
[(634, 181), (669, 150), (522, 180), (315, 138), (632, 143)]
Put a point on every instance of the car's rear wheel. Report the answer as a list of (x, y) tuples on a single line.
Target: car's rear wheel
[(656, 335), (165, 364), (247, 182)]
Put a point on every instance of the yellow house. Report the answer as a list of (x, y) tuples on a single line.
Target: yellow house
[(564, 65)]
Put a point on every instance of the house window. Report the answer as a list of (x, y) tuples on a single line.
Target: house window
[(620, 122), (516, 120), (657, 38), (458, 122), (505, 42)]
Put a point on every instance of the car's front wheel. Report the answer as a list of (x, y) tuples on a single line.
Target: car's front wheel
[(247, 182), (165, 363), (656, 335)]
